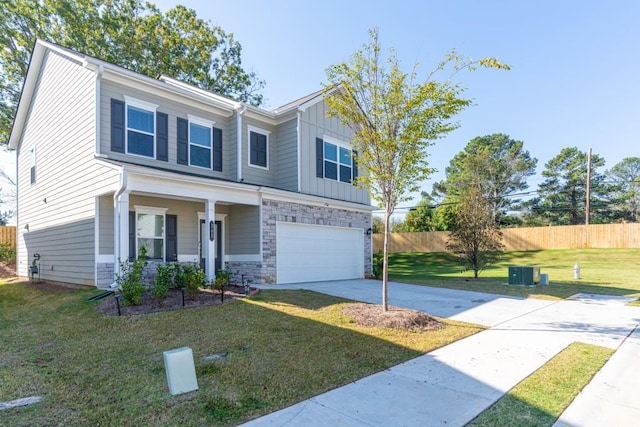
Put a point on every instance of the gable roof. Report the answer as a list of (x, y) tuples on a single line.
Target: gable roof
[(215, 100)]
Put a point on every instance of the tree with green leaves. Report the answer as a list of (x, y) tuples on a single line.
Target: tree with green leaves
[(420, 218), (394, 120), (504, 171), (624, 178), (475, 237), (562, 195), (130, 33)]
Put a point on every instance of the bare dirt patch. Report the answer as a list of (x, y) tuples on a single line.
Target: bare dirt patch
[(174, 301), (371, 315), (7, 270)]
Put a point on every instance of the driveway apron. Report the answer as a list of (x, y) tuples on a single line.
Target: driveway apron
[(452, 385)]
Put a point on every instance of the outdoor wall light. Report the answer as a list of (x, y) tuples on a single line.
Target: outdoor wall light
[(369, 231)]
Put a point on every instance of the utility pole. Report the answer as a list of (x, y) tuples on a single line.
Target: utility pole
[(588, 206)]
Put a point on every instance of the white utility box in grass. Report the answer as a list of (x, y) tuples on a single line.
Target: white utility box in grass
[(181, 371)]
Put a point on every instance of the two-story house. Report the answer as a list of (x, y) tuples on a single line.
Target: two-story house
[(110, 160)]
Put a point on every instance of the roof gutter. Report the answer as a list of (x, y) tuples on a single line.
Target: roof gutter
[(240, 112)]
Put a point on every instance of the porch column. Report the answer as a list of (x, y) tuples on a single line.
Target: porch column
[(121, 230), (209, 244)]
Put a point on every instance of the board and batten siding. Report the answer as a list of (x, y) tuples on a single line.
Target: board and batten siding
[(314, 123), (174, 106), (253, 174), (287, 154), (243, 223), (56, 214)]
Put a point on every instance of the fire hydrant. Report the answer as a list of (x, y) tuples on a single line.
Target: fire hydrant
[(576, 271)]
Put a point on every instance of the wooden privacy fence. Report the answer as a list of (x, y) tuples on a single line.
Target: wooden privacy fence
[(8, 235), (526, 239)]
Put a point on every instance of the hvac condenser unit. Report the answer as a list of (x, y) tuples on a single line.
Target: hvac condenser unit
[(524, 275)]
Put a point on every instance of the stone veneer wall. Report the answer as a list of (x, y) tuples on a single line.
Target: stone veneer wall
[(106, 274), (276, 211)]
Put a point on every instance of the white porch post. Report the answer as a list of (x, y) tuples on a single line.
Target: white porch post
[(121, 230), (209, 245)]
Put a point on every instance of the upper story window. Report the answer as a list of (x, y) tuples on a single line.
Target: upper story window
[(258, 147), (338, 162), (200, 142), (141, 132)]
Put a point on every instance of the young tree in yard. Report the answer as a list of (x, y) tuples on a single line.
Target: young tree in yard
[(130, 33), (475, 236), (625, 195), (505, 171), (394, 120)]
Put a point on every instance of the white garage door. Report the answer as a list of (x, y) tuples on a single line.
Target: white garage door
[(312, 253)]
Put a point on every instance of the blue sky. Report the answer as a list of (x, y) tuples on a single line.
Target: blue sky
[(574, 79)]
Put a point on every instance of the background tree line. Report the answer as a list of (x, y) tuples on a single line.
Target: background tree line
[(497, 168)]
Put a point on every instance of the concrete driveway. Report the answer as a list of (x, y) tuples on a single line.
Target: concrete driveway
[(452, 385)]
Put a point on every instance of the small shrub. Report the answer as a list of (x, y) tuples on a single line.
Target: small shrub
[(130, 279), (378, 265), (192, 277), (7, 253), (163, 281), (222, 279)]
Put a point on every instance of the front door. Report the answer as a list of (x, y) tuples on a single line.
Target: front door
[(203, 236)]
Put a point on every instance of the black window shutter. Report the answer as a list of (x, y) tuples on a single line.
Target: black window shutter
[(355, 165), (217, 149), (162, 137), (132, 236), (319, 157), (183, 143), (117, 125), (171, 248)]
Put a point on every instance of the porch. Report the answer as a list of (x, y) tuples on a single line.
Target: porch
[(213, 234)]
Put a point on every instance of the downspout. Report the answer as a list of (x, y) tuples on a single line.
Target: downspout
[(299, 146), (99, 72), (240, 112), (117, 222)]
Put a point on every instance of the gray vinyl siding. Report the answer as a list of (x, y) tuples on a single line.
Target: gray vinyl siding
[(187, 213), (105, 225), (59, 209), (315, 124), (174, 108), (243, 224), (287, 152), (255, 175)]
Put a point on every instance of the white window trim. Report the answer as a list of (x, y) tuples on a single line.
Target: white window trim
[(339, 144), (201, 122), (151, 210), (261, 132), (144, 105)]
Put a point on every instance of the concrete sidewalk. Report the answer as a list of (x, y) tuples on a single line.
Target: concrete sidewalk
[(452, 385)]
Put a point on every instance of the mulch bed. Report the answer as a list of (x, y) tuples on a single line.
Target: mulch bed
[(149, 304), (371, 315)]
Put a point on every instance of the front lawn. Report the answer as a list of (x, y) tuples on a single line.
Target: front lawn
[(602, 271), (542, 397), (275, 349)]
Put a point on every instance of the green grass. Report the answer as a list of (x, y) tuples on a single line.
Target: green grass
[(91, 369), (542, 397), (602, 271)]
